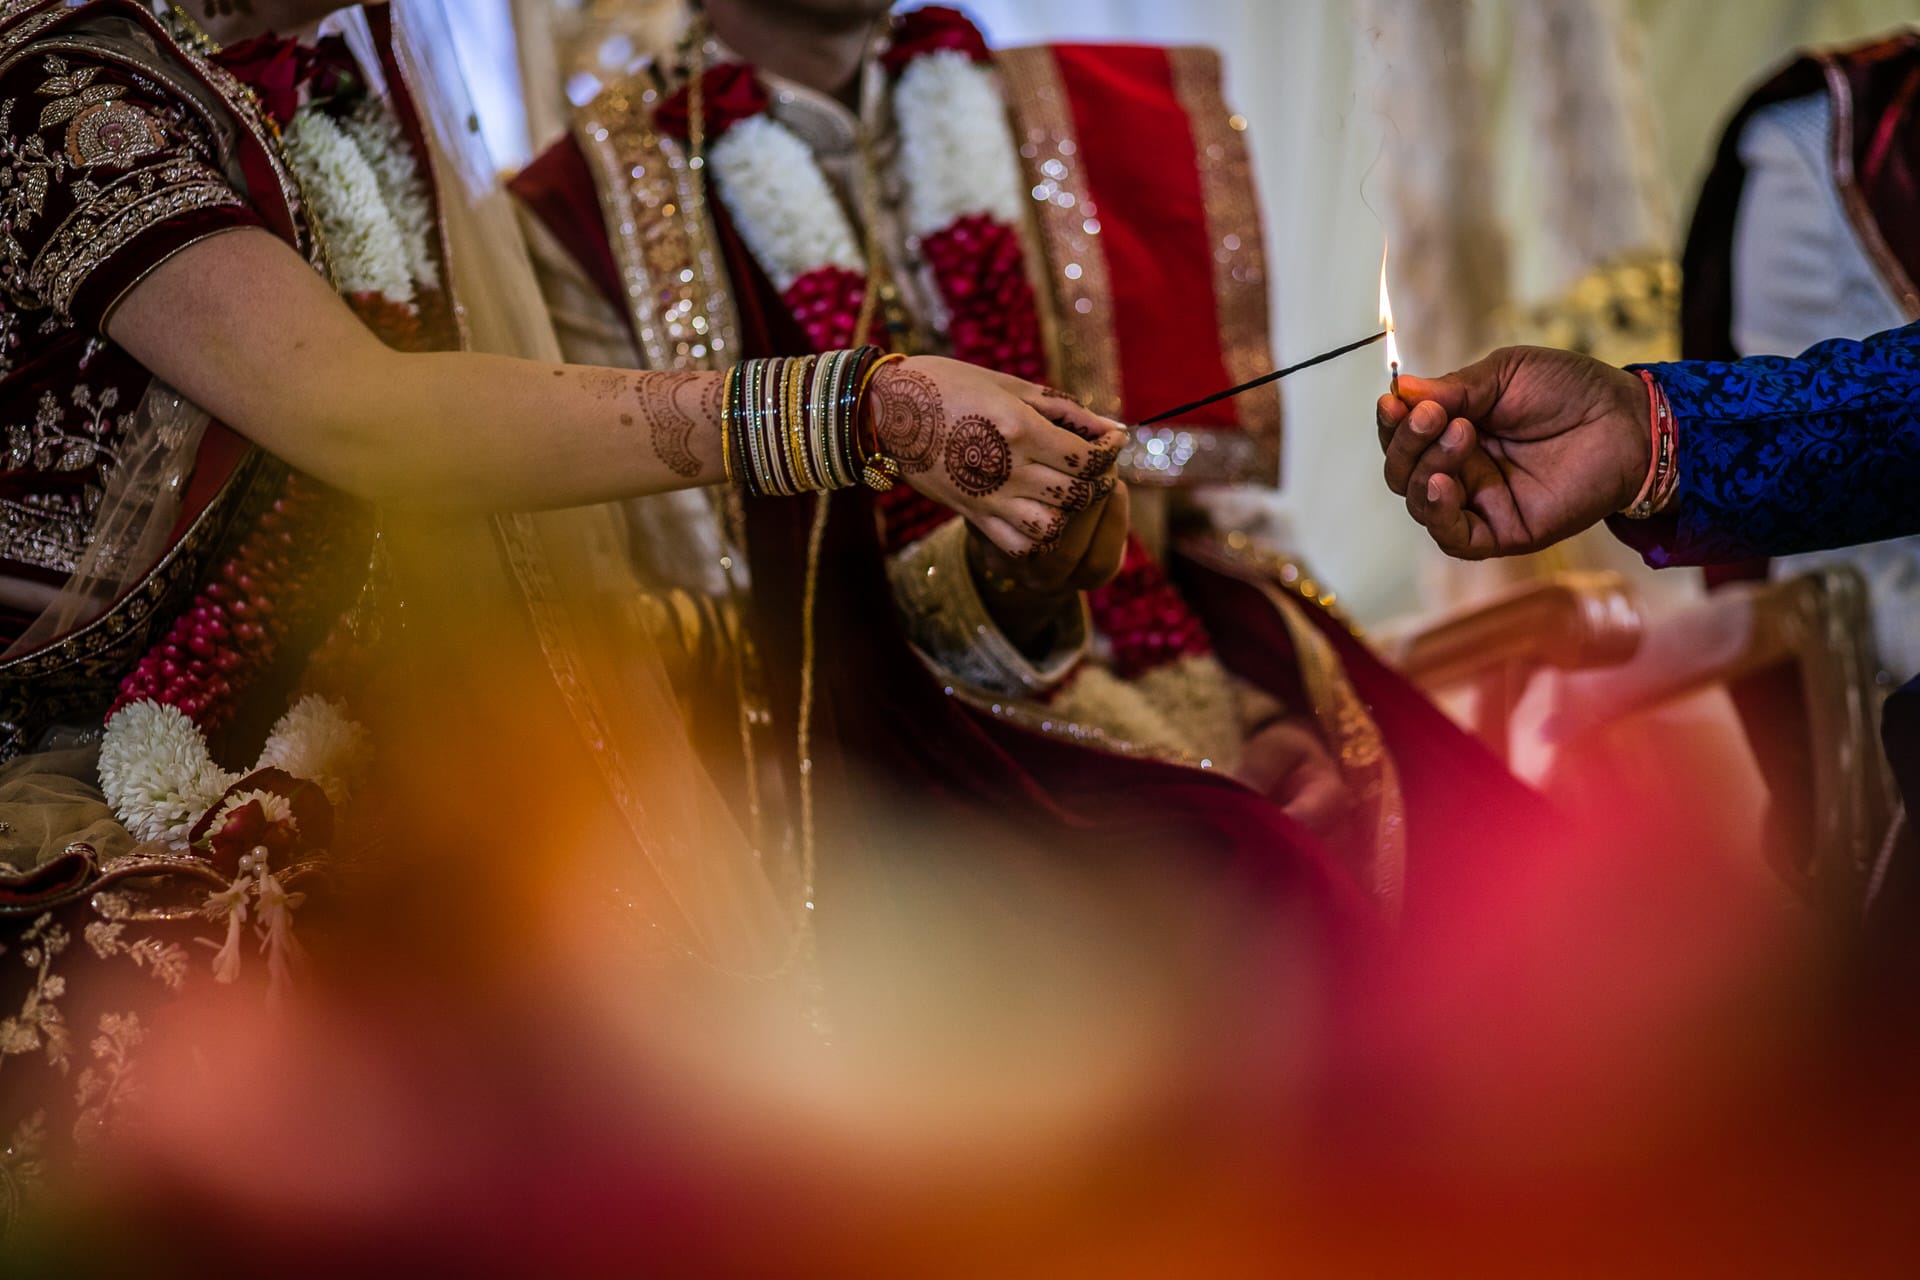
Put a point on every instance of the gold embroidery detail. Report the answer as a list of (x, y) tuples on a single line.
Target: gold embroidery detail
[(166, 961), (676, 293), (1238, 249), (115, 133), (103, 226), (110, 1081), (63, 82), (22, 1169), (67, 108), (38, 1025)]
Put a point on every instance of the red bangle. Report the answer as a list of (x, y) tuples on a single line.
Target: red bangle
[(1663, 461)]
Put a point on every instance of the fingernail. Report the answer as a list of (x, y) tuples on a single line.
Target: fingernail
[(1456, 435), (1434, 489), (1422, 425)]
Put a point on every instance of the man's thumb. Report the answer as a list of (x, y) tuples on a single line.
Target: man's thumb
[(1465, 393)]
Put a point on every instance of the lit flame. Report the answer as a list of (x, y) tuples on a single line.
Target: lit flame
[(1386, 318)]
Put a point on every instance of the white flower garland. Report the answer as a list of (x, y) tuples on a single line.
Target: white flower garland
[(364, 241), (956, 146), (780, 201), (316, 741), (957, 157), (157, 774), (160, 779), (376, 131)]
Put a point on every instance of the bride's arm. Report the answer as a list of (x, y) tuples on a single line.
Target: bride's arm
[(242, 326)]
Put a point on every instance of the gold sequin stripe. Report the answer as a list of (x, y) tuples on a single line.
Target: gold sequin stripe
[(1239, 262), (1075, 257)]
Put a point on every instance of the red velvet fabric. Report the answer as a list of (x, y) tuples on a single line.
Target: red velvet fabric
[(730, 93)]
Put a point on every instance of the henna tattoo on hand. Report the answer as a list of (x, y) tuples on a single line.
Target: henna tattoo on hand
[(1104, 453), (1074, 496), (978, 459), (907, 412), (1046, 536), (676, 405)]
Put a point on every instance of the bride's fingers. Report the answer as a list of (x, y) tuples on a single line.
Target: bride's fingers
[(1067, 411), (1067, 451), (1006, 539), (1044, 526), (1070, 494)]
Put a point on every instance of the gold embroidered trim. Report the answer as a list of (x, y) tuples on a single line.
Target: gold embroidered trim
[(953, 630), (1076, 274), (1238, 248), (106, 224), (677, 295), (47, 531)]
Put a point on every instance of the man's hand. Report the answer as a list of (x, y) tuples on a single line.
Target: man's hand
[(1286, 762), (1514, 453), (1026, 595)]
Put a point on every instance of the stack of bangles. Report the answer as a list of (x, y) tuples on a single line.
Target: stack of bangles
[(1663, 467), (801, 424)]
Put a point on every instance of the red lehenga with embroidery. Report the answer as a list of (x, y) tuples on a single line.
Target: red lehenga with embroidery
[(1127, 269)]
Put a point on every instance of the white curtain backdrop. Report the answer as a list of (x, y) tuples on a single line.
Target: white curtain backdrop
[(1303, 72)]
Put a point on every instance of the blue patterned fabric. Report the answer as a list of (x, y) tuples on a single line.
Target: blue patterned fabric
[(1782, 455)]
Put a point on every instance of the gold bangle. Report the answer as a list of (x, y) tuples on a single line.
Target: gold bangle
[(878, 471), (793, 425), (726, 422)]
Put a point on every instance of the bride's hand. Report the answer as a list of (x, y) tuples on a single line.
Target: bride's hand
[(1018, 461)]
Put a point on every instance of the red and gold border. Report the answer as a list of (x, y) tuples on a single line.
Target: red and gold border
[(1150, 234)]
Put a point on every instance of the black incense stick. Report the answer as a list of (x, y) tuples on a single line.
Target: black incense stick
[(1264, 379)]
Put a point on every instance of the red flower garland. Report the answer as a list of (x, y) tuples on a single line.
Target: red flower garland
[(730, 93), (980, 267)]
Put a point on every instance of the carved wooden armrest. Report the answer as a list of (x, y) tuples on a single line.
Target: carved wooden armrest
[(1819, 622), (1571, 622)]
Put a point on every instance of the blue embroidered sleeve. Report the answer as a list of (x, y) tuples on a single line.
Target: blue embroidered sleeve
[(1785, 455)]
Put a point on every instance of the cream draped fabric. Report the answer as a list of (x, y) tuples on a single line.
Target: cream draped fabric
[(662, 821)]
